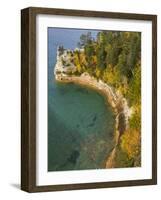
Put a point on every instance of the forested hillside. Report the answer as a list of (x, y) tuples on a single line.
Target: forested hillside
[(115, 58)]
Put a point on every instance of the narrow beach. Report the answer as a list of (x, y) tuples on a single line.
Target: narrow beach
[(116, 101)]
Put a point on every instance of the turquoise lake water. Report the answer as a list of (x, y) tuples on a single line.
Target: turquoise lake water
[(80, 123)]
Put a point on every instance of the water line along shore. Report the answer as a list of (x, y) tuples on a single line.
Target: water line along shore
[(114, 98)]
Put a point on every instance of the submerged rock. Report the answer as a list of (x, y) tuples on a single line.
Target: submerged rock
[(73, 157)]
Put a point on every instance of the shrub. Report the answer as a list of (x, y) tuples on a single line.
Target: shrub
[(131, 143)]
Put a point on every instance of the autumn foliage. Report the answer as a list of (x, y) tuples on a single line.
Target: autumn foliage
[(130, 143), (115, 58)]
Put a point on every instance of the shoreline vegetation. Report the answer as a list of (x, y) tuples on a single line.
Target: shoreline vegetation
[(77, 67)]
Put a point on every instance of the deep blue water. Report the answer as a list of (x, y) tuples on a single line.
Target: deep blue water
[(80, 123)]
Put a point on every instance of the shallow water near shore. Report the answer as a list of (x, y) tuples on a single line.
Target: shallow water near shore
[(80, 122)]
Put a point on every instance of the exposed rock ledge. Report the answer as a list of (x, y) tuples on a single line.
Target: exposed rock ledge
[(115, 99)]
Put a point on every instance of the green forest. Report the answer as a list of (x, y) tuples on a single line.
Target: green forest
[(115, 58)]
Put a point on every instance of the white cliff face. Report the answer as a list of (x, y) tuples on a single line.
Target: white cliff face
[(64, 64)]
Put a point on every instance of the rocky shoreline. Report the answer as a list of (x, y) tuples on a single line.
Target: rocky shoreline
[(115, 99)]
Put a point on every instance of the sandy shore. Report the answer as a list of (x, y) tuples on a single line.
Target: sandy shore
[(116, 101)]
